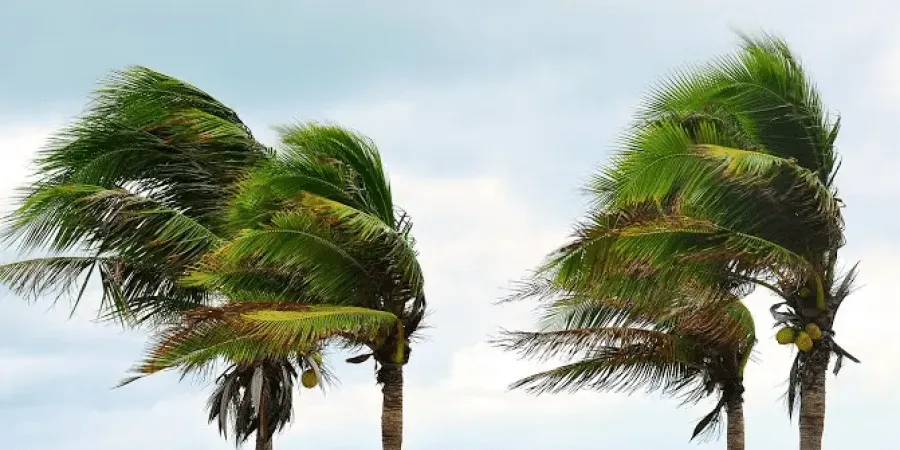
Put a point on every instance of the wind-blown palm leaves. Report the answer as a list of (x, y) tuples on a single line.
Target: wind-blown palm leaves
[(133, 192), (773, 184), (334, 203), (315, 229), (676, 345), (246, 332), (136, 193), (725, 183)]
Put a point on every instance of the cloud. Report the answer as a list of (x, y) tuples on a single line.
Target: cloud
[(19, 142), (488, 124), (21, 370)]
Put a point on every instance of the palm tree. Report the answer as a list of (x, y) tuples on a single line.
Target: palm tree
[(676, 347), (321, 220), (134, 193), (726, 183), (319, 254)]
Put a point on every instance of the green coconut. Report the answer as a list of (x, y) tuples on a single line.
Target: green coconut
[(804, 292), (785, 336), (317, 357), (309, 379), (804, 343), (814, 331)]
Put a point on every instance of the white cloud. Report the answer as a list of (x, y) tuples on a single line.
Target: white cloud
[(21, 370), (19, 142)]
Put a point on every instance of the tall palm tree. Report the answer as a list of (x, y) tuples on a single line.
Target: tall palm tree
[(726, 183), (134, 193), (319, 254), (677, 347)]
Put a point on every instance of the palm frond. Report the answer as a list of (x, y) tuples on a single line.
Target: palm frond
[(625, 369), (157, 136), (765, 89), (245, 332), (72, 217), (296, 242), (614, 253), (350, 152)]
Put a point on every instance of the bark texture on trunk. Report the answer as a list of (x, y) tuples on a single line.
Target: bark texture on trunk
[(812, 398), (734, 412), (391, 378), (263, 438), (263, 443)]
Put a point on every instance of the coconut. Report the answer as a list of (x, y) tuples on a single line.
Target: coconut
[(814, 331), (317, 357), (785, 336), (804, 292), (804, 342), (309, 379)]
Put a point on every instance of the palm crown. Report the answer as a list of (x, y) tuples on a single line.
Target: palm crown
[(132, 192)]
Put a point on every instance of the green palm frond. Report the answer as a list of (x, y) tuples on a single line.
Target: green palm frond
[(693, 169), (279, 182), (351, 153), (251, 283), (133, 292), (614, 254), (766, 90), (140, 178), (71, 217), (371, 230), (625, 369), (336, 253), (154, 135), (574, 342), (52, 276), (245, 332), (298, 243), (140, 249)]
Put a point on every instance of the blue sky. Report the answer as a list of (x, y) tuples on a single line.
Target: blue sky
[(489, 116)]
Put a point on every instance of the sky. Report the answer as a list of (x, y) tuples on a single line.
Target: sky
[(490, 116)]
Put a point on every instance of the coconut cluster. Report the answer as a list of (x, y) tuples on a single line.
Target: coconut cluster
[(801, 337)]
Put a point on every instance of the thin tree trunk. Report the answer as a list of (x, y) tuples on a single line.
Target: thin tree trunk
[(812, 398), (263, 440), (734, 412), (391, 378)]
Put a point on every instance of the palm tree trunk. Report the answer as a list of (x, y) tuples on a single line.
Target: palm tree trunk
[(734, 412), (263, 442), (263, 439), (391, 378), (812, 398)]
